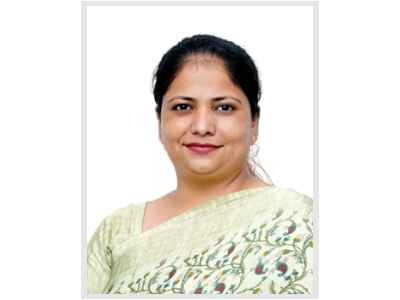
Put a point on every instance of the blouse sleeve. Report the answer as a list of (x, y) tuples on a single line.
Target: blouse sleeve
[(99, 258)]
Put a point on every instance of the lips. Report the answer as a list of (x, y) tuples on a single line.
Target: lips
[(202, 148), (201, 145)]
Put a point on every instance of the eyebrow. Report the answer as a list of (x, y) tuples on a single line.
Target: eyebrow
[(213, 99)]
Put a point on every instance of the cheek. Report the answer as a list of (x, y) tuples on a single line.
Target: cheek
[(238, 135), (172, 130)]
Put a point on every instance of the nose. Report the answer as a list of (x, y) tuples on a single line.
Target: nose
[(203, 122)]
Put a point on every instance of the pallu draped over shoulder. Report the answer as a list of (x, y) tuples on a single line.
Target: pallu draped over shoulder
[(254, 241)]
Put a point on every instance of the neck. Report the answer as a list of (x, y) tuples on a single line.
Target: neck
[(191, 192)]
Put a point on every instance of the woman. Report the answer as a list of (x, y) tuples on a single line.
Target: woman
[(223, 229)]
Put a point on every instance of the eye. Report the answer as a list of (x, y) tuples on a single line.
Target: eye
[(180, 107), (225, 108)]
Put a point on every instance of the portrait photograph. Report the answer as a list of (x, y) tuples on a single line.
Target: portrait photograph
[(199, 148)]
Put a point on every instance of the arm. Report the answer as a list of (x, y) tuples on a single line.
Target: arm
[(99, 259)]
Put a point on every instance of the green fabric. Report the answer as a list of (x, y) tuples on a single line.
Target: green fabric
[(253, 241)]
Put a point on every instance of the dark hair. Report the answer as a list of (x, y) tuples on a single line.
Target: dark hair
[(239, 66)]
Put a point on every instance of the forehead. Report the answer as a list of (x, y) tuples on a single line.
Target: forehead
[(205, 76), (203, 59), (203, 63)]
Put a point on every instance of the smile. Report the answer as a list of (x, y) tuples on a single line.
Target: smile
[(202, 150)]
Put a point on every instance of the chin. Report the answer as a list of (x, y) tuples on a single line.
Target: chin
[(203, 170)]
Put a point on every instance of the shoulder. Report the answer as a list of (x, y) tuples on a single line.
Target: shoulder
[(287, 198), (120, 217), (124, 219), (282, 206), (120, 221), (289, 194)]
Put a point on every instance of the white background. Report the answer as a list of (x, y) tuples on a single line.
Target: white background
[(40, 149), (126, 162)]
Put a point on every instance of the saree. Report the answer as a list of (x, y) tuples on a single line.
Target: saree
[(254, 241)]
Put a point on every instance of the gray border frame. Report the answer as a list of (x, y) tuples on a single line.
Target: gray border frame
[(84, 6)]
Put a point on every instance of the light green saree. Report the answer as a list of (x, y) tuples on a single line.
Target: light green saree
[(255, 241)]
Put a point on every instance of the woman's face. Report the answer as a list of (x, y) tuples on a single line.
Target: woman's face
[(202, 105)]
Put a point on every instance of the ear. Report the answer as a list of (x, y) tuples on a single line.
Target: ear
[(159, 133), (254, 130), (159, 130)]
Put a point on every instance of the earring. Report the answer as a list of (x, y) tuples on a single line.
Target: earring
[(254, 149)]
